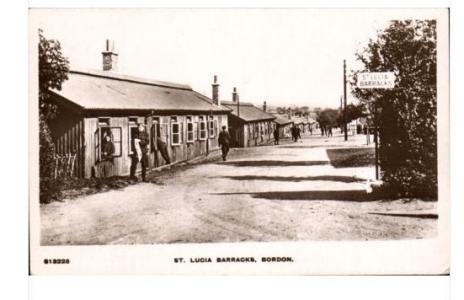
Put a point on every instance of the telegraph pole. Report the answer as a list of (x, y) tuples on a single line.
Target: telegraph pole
[(341, 104), (344, 100), (341, 113)]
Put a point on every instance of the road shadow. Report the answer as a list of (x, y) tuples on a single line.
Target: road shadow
[(306, 147), (272, 163), (346, 179), (420, 216), (343, 195)]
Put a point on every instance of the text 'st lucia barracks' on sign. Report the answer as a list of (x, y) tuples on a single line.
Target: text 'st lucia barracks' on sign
[(376, 80)]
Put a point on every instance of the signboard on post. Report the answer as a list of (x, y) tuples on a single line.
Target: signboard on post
[(376, 80)]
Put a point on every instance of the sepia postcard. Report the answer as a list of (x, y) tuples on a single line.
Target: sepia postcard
[(239, 141)]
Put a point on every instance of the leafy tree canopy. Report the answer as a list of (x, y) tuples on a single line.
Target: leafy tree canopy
[(53, 71), (407, 113), (328, 117)]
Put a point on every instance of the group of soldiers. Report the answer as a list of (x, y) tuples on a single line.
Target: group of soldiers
[(296, 133), (140, 143)]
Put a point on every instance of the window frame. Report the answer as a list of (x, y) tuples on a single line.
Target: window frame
[(178, 133), (98, 141), (203, 131), (211, 133), (130, 125), (189, 121)]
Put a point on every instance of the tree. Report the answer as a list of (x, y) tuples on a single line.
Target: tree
[(328, 117), (406, 114), (53, 71)]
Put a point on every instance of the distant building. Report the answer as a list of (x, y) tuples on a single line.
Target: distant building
[(248, 125), (284, 124), (305, 123), (93, 104)]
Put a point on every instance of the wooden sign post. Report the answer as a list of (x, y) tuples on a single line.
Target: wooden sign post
[(376, 80)]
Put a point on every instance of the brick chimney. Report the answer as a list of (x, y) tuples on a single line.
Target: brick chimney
[(236, 100), (235, 95), (264, 106), (110, 58), (215, 86)]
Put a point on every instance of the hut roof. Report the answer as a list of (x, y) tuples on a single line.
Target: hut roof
[(248, 112), (96, 90)]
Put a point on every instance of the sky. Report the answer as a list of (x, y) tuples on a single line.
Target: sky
[(286, 57)]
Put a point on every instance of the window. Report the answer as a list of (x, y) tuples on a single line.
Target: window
[(190, 137), (176, 133), (195, 130), (132, 131), (100, 135), (211, 127), (202, 129), (216, 127)]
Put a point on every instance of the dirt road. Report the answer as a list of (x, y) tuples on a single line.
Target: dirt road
[(270, 193)]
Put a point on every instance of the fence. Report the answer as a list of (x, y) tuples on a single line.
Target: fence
[(65, 165)]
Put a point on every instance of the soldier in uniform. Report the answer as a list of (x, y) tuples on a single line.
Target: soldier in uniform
[(107, 156), (163, 149), (140, 142), (276, 136), (224, 142)]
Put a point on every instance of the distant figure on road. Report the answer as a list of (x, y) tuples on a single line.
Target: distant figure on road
[(329, 131), (276, 136), (298, 133), (293, 132), (224, 142)]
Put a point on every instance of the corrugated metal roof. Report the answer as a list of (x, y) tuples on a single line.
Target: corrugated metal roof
[(103, 90), (248, 112)]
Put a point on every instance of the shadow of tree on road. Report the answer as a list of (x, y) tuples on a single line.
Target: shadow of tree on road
[(272, 163), (307, 147), (420, 216), (346, 179), (343, 195)]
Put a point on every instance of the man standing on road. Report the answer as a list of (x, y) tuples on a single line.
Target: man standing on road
[(163, 149), (224, 142), (276, 136), (298, 133), (140, 143)]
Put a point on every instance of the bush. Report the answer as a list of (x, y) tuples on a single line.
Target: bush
[(48, 186), (407, 117)]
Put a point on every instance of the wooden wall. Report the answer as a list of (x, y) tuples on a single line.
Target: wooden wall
[(285, 131), (252, 133), (67, 131), (182, 152), (257, 133)]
